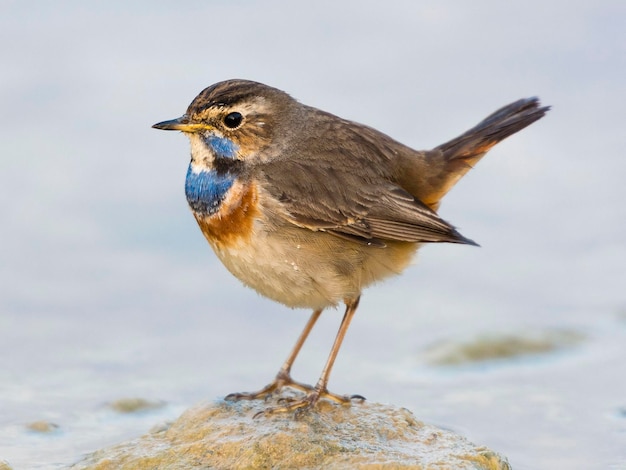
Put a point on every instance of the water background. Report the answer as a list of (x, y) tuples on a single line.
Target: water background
[(108, 290)]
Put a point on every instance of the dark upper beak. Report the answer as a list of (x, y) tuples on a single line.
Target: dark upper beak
[(182, 124), (179, 124)]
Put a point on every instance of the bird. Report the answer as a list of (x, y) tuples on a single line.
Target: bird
[(309, 209)]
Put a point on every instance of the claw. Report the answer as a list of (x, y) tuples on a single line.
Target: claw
[(300, 406), (259, 414), (281, 381), (264, 393), (282, 400), (357, 398)]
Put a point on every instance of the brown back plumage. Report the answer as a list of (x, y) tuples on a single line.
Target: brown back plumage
[(356, 182)]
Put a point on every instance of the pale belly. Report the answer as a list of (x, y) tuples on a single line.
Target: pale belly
[(292, 265), (301, 268)]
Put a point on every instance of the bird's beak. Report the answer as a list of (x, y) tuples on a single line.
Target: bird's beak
[(180, 124)]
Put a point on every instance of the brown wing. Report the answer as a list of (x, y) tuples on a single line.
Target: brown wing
[(354, 201), (356, 182)]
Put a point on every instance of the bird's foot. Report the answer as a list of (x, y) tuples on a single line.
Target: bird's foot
[(282, 380), (308, 402)]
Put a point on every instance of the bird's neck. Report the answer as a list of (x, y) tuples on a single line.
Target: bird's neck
[(212, 171), (205, 149)]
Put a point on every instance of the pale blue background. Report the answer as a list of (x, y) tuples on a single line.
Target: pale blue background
[(108, 289)]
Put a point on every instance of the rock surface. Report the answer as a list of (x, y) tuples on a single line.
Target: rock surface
[(362, 436)]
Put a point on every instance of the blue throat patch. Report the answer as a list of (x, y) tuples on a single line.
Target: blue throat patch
[(206, 190), (221, 146)]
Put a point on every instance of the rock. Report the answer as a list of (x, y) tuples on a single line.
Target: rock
[(4, 465), (225, 435)]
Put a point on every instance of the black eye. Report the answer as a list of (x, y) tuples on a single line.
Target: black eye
[(233, 120)]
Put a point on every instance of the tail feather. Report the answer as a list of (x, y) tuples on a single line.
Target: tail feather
[(473, 144), (430, 175)]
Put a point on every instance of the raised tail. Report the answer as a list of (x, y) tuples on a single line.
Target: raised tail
[(447, 163), (473, 144)]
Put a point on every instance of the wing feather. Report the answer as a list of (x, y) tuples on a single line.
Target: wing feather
[(359, 204)]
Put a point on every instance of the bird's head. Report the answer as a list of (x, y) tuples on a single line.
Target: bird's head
[(233, 120)]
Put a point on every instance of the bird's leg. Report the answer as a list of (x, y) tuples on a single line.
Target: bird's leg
[(320, 390), (283, 378)]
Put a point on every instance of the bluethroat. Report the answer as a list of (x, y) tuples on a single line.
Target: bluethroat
[(308, 208)]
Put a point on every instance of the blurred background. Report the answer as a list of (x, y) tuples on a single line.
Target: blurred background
[(109, 292)]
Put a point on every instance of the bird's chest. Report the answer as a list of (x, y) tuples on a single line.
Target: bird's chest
[(224, 206)]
